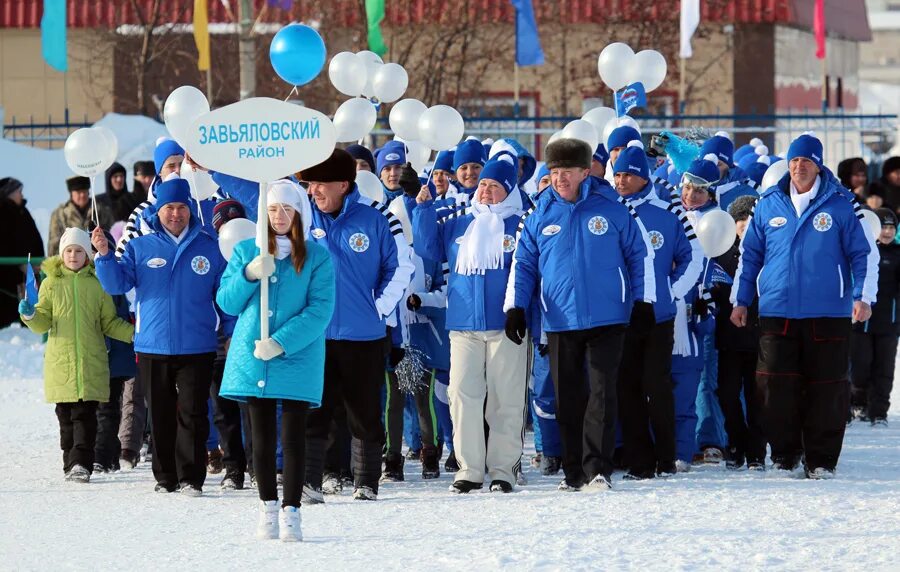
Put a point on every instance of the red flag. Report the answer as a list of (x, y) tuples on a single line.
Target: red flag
[(819, 28)]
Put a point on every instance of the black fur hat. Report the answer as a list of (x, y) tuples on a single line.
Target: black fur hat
[(567, 154), (341, 166)]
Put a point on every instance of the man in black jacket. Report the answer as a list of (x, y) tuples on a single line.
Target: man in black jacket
[(19, 237), (873, 343)]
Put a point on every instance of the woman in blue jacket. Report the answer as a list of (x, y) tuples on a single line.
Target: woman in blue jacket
[(288, 366)]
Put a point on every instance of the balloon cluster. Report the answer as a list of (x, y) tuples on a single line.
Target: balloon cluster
[(620, 66), (91, 150)]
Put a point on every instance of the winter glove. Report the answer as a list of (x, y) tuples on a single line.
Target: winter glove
[(26, 308), (515, 325), (267, 349), (543, 349), (642, 317), (700, 308), (413, 303), (260, 267), (409, 181), (396, 356)]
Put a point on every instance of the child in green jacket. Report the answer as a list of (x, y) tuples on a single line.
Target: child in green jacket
[(77, 313)]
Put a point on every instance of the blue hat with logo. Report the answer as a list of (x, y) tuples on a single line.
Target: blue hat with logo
[(808, 147), (622, 136), (704, 169), (501, 169), (174, 190), (444, 161), (393, 153), (601, 155), (633, 160), (720, 146), (469, 151), (165, 149)]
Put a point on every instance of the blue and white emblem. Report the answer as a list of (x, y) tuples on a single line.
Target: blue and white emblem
[(200, 265), (656, 239), (598, 225), (509, 243), (359, 242), (822, 221)]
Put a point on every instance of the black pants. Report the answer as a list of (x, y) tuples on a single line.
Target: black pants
[(109, 415), (737, 373), (802, 378), (646, 399), (337, 453), (227, 418), (293, 443), (586, 414), (872, 372), (77, 433), (354, 372), (177, 391), (395, 406)]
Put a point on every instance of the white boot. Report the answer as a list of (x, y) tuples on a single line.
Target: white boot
[(289, 520), (267, 529)]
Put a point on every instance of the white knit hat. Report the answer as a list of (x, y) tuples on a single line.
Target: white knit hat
[(286, 192), (75, 237)]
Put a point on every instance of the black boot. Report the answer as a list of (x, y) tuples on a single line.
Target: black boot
[(366, 461), (431, 466), (450, 465), (393, 468)]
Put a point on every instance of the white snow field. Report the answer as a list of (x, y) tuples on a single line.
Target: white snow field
[(705, 519)]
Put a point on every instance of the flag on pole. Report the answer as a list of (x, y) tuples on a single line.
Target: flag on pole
[(528, 41), (374, 16), (201, 34), (31, 291), (630, 97), (690, 19), (819, 28), (53, 34)]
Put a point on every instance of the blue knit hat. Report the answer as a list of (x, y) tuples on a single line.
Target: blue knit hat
[(633, 160), (501, 169), (742, 152), (756, 171), (174, 190), (541, 173), (705, 168), (360, 152), (469, 151), (165, 149), (601, 155), (444, 161), (393, 153), (721, 147), (622, 136), (806, 146)]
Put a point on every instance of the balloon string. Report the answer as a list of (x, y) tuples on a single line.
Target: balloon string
[(293, 91), (197, 196), (94, 201)]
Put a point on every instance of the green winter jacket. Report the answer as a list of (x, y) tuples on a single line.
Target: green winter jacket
[(76, 311)]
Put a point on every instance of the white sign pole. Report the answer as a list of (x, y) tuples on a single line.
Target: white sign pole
[(262, 241)]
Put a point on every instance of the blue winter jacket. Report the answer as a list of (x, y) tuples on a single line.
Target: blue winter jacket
[(121, 354), (300, 308), (243, 191), (372, 266), (175, 287), (588, 260), (428, 327), (811, 267), (677, 260), (735, 185)]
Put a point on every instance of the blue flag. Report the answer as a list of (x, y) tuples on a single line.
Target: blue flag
[(528, 42), (630, 97), (53, 34), (31, 292), (718, 274)]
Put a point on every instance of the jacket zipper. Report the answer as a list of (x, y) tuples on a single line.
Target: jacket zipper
[(622, 282), (841, 279), (79, 382)]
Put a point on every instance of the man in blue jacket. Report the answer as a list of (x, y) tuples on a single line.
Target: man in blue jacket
[(372, 269), (175, 271), (806, 253), (645, 386), (581, 250), (389, 166)]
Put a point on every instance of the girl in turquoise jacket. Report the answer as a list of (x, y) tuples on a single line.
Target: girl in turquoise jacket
[(288, 366)]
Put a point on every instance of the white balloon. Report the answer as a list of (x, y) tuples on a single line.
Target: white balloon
[(773, 174), (582, 130), (417, 153), (235, 231), (354, 119), (348, 73), (86, 152), (649, 68), (612, 125), (404, 118), (716, 232), (390, 83), (112, 144), (873, 222), (441, 127), (369, 185), (599, 117), (555, 136), (373, 62), (613, 64), (182, 108), (201, 183)]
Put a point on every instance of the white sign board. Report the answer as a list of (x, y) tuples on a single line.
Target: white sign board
[(261, 139)]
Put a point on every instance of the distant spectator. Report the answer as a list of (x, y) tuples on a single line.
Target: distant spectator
[(117, 199), (77, 212), (144, 172), (852, 173), (19, 236), (889, 184)]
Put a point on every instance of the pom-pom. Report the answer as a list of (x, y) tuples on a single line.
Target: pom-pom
[(764, 160), (810, 133), (756, 142), (636, 143), (711, 157), (410, 371), (761, 150), (723, 134)]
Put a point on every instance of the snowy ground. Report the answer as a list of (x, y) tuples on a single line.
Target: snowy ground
[(707, 519)]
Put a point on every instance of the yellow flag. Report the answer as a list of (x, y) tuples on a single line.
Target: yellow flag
[(201, 34)]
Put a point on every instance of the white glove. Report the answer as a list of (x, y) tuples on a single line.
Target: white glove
[(267, 349), (260, 267)]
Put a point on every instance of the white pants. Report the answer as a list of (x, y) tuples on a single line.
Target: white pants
[(487, 383)]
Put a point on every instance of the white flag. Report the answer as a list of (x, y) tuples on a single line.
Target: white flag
[(690, 19)]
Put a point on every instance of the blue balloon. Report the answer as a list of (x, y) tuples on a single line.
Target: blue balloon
[(297, 53)]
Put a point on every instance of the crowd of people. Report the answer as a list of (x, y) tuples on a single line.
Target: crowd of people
[(464, 304)]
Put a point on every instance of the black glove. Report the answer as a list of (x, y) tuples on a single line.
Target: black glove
[(409, 181), (515, 325), (396, 356), (642, 317), (543, 349), (700, 308), (413, 302)]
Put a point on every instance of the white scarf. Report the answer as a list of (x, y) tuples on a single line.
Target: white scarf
[(283, 244), (481, 248)]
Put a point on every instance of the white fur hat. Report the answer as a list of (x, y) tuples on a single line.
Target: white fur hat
[(75, 237)]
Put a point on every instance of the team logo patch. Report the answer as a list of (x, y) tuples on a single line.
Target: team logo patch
[(598, 225), (822, 221), (777, 222), (156, 262), (509, 243), (656, 239), (359, 242), (318, 233), (392, 157), (200, 265), (550, 230)]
